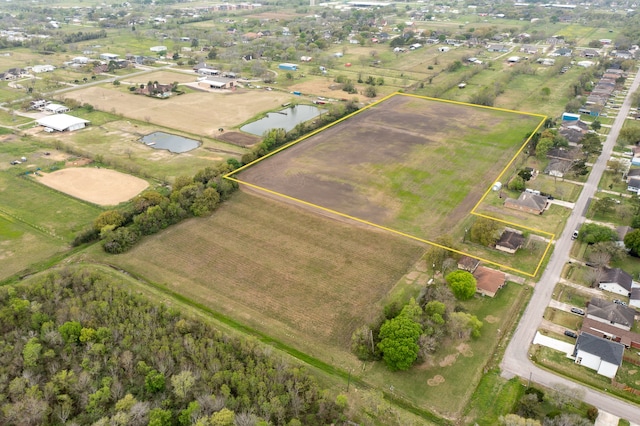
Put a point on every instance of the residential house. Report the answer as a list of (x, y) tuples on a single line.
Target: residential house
[(156, 90), (56, 109), (608, 331), (563, 51), (557, 167), (510, 241), (468, 263), (42, 68), (616, 281), (634, 297), (529, 49), (598, 354), (632, 173), (590, 53), (633, 185), (109, 56), (607, 312), (489, 281), (497, 48), (528, 202)]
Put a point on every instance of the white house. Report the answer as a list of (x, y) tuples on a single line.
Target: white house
[(158, 49), (616, 281), (42, 68), (56, 109), (599, 354), (80, 60), (109, 56), (62, 122)]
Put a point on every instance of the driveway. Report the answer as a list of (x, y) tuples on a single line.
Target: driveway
[(516, 361), (550, 342)]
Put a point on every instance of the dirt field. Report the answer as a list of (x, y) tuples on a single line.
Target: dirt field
[(196, 113), (410, 164), (104, 187)]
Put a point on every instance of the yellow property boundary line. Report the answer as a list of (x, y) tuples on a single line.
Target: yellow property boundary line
[(548, 235)]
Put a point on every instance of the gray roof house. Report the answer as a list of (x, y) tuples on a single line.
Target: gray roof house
[(599, 354), (510, 241), (616, 281), (528, 202), (611, 313), (633, 185)]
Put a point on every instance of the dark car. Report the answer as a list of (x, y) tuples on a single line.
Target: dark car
[(570, 334), (577, 311), (620, 302)]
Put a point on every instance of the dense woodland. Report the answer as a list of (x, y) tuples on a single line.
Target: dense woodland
[(78, 348)]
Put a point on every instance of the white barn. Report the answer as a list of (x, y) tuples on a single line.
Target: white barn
[(62, 122)]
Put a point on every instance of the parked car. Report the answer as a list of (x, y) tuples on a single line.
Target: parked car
[(577, 311), (571, 334), (574, 235), (620, 302)]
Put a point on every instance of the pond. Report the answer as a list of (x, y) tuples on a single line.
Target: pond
[(173, 143), (285, 119)]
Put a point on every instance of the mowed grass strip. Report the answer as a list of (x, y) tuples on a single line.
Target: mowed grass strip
[(21, 246), (45, 209), (301, 277)]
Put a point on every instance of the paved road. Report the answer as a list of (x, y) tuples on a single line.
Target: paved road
[(516, 361)]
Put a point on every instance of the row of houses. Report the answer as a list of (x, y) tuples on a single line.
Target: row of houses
[(602, 92)]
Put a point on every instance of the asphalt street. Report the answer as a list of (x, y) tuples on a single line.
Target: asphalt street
[(516, 361)]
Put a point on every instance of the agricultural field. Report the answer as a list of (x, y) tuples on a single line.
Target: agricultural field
[(197, 113), (408, 164), (300, 277)]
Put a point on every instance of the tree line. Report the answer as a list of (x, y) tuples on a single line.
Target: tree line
[(153, 211), (79, 348)]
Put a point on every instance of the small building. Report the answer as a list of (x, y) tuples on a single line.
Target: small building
[(510, 241), (81, 60), (208, 71), (217, 83), (158, 49), (634, 297), (598, 354), (489, 281), (42, 68), (62, 122), (616, 281), (528, 202), (109, 56), (567, 116), (513, 59), (305, 58), (288, 67), (468, 263), (55, 109)]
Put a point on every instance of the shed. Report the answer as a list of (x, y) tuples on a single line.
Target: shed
[(62, 122), (288, 67)]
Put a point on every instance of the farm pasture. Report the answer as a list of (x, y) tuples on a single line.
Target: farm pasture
[(196, 113), (410, 164), (305, 279)]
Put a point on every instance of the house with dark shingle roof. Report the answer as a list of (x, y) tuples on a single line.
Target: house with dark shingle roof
[(616, 281), (510, 241), (528, 202), (468, 263), (611, 313), (599, 354), (634, 297)]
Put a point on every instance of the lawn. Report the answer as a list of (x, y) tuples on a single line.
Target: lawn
[(571, 296), (559, 363), (22, 245), (566, 319)]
